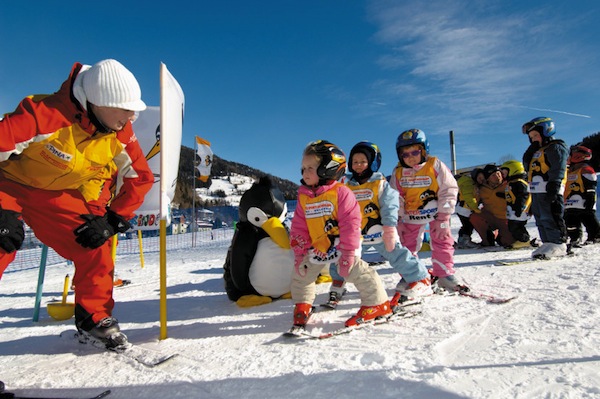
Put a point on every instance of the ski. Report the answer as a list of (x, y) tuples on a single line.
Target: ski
[(405, 301), (297, 331), (535, 258), (329, 305), (121, 283), (302, 332), (489, 298), (10, 395), (402, 314), (516, 261), (144, 356), (468, 292)]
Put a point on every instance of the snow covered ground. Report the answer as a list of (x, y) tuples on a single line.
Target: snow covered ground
[(544, 344)]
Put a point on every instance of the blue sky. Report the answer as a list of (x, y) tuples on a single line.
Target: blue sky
[(263, 78)]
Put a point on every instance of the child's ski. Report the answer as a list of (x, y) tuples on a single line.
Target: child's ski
[(489, 298), (402, 314), (302, 332)]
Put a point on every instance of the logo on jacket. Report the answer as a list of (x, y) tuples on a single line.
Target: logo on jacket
[(59, 154)]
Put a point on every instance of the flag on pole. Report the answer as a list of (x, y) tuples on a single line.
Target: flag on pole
[(171, 122), (147, 129), (205, 158)]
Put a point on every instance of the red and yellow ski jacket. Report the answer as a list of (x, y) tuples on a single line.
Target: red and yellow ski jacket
[(49, 143)]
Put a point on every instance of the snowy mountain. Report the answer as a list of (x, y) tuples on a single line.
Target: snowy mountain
[(542, 344), (221, 170), (228, 189)]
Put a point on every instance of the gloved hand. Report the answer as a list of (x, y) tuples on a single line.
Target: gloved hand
[(440, 229), (552, 188), (518, 212), (12, 232), (589, 200), (298, 259), (97, 229), (118, 222), (345, 263), (390, 237)]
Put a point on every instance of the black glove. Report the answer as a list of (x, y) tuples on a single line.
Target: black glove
[(518, 212), (118, 222), (12, 232), (97, 229), (552, 188)]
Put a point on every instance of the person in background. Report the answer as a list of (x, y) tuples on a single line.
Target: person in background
[(60, 154), (379, 205), (580, 197), (518, 202), (493, 208), (466, 205), (488, 236), (326, 228), (545, 162), (428, 193)]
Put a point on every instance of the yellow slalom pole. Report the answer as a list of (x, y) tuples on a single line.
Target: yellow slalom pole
[(65, 290), (113, 247), (171, 122), (163, 278), (141, 243)]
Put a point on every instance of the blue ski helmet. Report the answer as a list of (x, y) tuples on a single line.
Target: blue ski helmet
[(542, 125), (333, 160), (411, 137)]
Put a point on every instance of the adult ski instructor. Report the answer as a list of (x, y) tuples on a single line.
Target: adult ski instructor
[(72, 169)]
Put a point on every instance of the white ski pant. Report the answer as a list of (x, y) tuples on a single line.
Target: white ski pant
[(365, 279)]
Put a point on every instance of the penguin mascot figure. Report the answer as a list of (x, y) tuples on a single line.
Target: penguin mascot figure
[(259, 264)]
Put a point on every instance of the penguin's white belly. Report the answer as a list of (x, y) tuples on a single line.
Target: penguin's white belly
[(271, 269)]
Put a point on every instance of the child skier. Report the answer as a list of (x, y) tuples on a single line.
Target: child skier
[(518, 201), (545, 162), (580, 197), (379, 205), (466, 204), (492, 218), (428, 193), (325, 229)]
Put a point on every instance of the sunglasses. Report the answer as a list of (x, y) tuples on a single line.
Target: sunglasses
[(411, 154)]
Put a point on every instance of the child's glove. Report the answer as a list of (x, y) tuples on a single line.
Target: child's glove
[(390, 237), (298, 260), (519, 212), (441, 228), (345, 263), (552, 188)]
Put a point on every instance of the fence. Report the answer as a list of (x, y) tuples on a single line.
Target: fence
[(31, 252), (30, 256)]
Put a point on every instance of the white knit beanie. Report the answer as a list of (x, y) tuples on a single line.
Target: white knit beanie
[(109, 84)]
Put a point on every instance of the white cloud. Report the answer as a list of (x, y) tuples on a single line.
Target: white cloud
[(470, 61)]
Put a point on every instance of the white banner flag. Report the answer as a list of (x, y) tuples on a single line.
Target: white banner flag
[(147, 128), (205, 158)]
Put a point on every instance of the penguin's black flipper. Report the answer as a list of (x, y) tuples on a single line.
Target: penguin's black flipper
[(243, 248), (232, 292)]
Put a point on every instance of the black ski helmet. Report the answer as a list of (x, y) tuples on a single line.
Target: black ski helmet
[(373, 155), (332, 165)]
